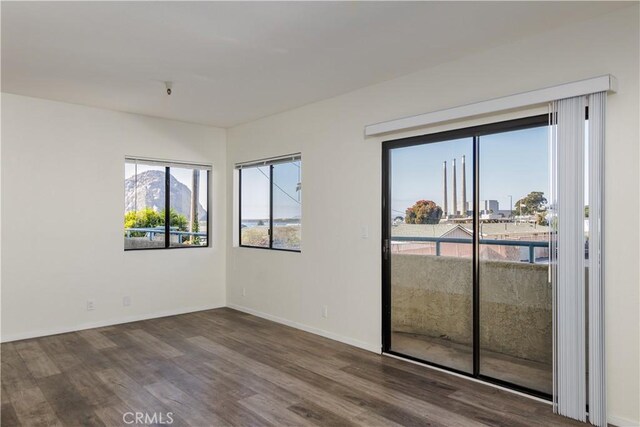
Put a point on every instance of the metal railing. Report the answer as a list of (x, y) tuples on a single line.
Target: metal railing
[(531, 244), (152, 231)]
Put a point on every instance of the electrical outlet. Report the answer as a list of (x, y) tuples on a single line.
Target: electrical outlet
[(244, 292), (91, 305), (364, 231), (126, 301), (325, 311)]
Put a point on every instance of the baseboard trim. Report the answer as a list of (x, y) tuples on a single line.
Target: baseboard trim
[(307, 328), (622, 422), (103, 323)]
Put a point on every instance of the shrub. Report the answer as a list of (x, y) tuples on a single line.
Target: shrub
[(148, 218)]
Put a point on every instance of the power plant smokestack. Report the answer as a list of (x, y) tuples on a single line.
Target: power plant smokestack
[(455, 195), (464, 189), (444, 187)]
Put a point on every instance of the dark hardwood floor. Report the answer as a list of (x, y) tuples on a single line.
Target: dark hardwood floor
[(223, 367)]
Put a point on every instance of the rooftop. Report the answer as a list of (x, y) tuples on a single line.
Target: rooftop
[(487, 229)]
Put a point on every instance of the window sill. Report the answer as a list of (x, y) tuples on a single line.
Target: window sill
[(170, 247), (271, 249)]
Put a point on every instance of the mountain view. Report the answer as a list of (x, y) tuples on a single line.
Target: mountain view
[(151, 193)]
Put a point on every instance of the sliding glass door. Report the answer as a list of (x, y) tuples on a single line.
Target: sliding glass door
[(430, 254), (465, 252), (516, 331)]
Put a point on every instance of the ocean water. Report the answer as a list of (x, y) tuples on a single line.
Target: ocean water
[(276, 222)]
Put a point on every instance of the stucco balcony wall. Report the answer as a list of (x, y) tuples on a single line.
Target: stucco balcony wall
[(432, 296)]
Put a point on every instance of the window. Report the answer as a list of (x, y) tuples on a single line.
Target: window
[(271, 203), (166, 204)]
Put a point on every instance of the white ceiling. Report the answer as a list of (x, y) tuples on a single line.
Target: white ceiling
[(233, 62)]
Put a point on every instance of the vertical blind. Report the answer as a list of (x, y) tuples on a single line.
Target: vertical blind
[(569, 257), (597, 366), (578, 361)]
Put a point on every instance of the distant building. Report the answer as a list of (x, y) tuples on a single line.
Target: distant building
[(486, 207), (489, 206), (510, 231)]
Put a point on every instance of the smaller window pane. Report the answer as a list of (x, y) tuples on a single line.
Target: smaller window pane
[(144, 205), (188, 207), (254, 206), (287, 211)]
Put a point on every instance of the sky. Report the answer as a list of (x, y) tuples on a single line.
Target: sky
[(255, 191), (511, 163)]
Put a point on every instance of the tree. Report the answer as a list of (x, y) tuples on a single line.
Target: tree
[(423, 212), (531, 204), (143, 218), (541, 218), (177, 220), (148, 218)]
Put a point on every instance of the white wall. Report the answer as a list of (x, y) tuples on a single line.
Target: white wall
[(62, 213), (342, 178)]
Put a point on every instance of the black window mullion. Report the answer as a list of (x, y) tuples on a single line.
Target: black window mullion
[(271, 207), (208, 208), (386, 256), (167, 205), (476, 257), (240, 207)]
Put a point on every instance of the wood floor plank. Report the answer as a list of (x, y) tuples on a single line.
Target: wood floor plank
[(274, 410), (69, 404), (8, 416), (319, 416), (133, 394), (15, 375), (61, 355), (92, 389), (235, 374), (32, 408), (89, 357), (238, 415), (114, 415), (136, 364), (204, 385), (96, 339), (4, 396), (191, 410), (37, 361), (226, 368), (153, 343)]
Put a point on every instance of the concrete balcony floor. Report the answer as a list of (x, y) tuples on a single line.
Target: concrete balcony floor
[(526, 373)]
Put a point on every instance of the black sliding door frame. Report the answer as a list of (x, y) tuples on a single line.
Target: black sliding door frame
[(475, 132)]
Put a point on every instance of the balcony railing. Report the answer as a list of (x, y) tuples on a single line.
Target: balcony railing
[(152, 231), (530, 244)]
